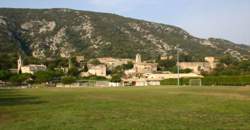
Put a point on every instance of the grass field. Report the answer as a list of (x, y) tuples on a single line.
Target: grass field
[(126, 108)]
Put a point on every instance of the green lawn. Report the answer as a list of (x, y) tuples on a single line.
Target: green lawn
[(151, 108)]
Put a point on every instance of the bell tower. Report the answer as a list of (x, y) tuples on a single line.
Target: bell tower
[(138, 58), (19, 64)]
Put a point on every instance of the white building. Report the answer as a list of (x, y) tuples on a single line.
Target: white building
[(30, 69)]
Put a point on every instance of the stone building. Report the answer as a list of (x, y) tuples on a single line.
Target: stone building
[(31, 69), (143, 67), (113, 62), (98, 70), (197, 67)]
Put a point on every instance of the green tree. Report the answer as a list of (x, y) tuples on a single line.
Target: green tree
[(47, 76), (116, 78), (18, 79), (85, 69), (43, 76), (186, 70), (166, 65), (68, 80), (95, 62), (73, 72), (229, 60), (4, 75), (128, 66)]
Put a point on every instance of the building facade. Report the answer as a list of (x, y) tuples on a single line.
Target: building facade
[(197, 67), (143, 67), (98, 70), (30, 69), (113, 62)]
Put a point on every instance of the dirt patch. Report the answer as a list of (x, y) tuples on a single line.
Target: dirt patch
[(4, 117)]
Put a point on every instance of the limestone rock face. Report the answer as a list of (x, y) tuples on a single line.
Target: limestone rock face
[(64, 32)]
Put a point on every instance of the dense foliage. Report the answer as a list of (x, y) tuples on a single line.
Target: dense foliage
[(47, 76), (19, 79), (231, 66), (68, 80), (214, 81)]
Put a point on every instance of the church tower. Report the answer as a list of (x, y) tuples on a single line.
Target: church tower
[(138, 59), (19, 64)]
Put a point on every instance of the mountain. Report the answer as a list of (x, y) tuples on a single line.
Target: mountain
[(49, 33)]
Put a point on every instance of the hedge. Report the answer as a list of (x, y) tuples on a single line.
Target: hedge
[(214, 80), (227, 80)]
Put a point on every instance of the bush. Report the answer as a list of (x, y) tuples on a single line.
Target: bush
[(94, 78), (73, 72), (128, 66), (19, 79), (95, 62), (4, 75), (174, 82), (214, 80), (68, 80), (46, 76), (227, 80), (186, 70), (116, 78)]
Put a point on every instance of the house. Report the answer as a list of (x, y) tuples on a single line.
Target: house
[(98, 70), (30, 69), (208, 66), (145, 67)]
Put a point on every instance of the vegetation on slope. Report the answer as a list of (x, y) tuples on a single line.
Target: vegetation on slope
[(53, 33)]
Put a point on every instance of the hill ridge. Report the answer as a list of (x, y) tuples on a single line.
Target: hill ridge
[(61, 32)]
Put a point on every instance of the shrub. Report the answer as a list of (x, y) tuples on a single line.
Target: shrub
[(68, 80), (4, 75), (174, 82), (227, 80), (18, 79), (46, 76), (214, 80), (93, 77), (116, 78)]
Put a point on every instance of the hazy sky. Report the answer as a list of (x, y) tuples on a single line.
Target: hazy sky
[(229, 19)]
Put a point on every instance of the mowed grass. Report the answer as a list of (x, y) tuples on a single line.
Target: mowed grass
[(150, 108)]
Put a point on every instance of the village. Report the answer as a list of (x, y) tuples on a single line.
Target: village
[(141, 73), (124, 65)]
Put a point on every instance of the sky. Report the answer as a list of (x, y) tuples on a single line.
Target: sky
[(227, 19)]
